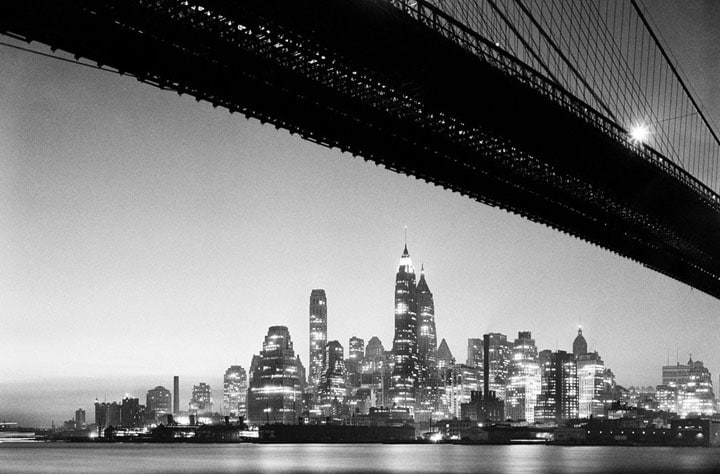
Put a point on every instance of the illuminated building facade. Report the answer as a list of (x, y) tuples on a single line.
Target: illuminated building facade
[(460, 382), (318, 335), (686, 389), (275, 393), (496, 360), (475, 352), (427, 337), (332, 390), (558, 399), (695, 396), (523, 384), (666, 398), (405, 342), (201, 399), (158, 400), (590, 370), (374, 359), (428, 383), (356, 353), (445, 359), (235, 386)]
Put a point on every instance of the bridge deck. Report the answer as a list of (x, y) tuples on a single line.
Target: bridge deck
[(367, 78)]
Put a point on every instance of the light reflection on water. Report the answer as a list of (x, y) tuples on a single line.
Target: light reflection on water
[(189, 458)]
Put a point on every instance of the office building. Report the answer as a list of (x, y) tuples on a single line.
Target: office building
[(276, 388), (558, 399), (496, 360), (318, 335), (427, 337), (235, 387), (523, 384), (475, 353), (405, 350), (158, 400), (80, 421), (332, 390), (201, 400), (132, 414), (590, 372)]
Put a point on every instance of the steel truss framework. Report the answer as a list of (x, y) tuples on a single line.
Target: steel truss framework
[(404, 85)]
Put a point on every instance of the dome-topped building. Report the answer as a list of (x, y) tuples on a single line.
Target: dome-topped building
[(579, 344)]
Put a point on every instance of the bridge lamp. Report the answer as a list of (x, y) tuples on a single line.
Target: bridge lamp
[(640, 133)]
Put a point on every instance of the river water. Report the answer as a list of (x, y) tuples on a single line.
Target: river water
[(332, 458)]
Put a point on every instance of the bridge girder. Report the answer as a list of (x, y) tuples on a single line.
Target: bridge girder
[(404, 91)]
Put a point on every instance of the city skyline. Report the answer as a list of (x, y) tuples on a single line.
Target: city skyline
[(137, 224)]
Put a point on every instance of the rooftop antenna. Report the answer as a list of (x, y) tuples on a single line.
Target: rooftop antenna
[(405, 236)]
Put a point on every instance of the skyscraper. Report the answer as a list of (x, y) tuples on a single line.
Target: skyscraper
[(591, 383), (427, 338), (696, 395), (405, 350), (80, 420), (356, 353), (333, 384), (132, 414), (558, 399), (235, 391), (523, 384), (318, 335), (158, 400), (475, 352), (275, 392), (496, 359), (356, 349), (201, 400)]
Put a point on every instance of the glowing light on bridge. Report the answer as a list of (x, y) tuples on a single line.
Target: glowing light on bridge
[(640, 133)]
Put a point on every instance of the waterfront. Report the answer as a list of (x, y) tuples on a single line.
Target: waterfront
[(182, 458)]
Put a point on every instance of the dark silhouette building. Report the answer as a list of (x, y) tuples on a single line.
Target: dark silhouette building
[(158, 400), (579, 344), (176, 394)]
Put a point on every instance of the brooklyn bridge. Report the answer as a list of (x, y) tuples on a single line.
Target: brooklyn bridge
[(570, 114)]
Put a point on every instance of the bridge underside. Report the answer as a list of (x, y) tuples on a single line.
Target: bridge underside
[(364, 76)]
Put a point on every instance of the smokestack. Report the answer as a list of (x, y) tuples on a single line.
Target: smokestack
[(176, 394), (486, 366)]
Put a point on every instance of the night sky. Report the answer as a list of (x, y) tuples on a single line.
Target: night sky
[(145, 235)]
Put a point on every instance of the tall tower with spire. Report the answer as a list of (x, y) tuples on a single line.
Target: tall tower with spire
[(405, 342), (427, 336)]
